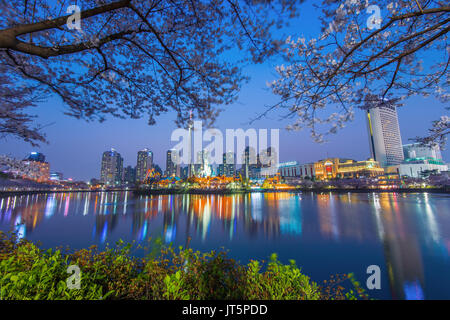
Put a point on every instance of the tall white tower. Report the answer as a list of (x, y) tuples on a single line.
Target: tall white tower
[(384, 135)]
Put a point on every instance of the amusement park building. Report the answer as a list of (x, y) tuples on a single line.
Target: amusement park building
[(346, 168)]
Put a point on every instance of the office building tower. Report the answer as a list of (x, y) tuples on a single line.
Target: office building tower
[(229, 165), (112, 168), (384, 135), (144, 164), (129, 175), (172, 167), (250, 163)]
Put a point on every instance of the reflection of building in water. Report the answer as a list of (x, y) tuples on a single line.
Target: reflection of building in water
[(283, 211), (290, 215), (401, 248), (25, 213), (170, 218), (328, 221), (144, 209), (277, 216), (104, 224)]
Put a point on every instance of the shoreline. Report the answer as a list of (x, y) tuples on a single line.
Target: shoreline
[(294, 190), (24, 193), (228, 192)]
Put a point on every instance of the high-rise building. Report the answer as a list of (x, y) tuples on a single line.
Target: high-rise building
[(112, 168), (250, 163), (172, 167), (228, 166), (268, 161), (184, 172), (129, 175), (268, 158), (384, 135), (144, 163)]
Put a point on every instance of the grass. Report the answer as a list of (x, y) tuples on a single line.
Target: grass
[(28, 272)]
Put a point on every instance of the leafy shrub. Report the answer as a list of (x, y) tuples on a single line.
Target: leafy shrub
[(27, 272)]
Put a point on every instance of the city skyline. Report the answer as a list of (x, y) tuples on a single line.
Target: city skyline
[(306, 151)]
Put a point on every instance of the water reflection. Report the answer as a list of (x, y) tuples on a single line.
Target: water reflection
[(409, 232)]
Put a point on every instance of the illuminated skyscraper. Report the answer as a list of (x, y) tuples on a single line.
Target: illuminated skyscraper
[(172, 167), (129, 175), (144, 163), (250, 163), (112, 168), (384, 135), (229, 164)]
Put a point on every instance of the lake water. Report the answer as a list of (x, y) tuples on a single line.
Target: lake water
[(406, 235)]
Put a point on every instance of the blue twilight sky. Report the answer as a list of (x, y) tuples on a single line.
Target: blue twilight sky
[(75, 146)]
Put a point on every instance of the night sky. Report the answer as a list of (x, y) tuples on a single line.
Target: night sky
[(75, 146)]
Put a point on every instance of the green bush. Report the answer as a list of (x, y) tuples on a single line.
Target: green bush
[(27, 272)]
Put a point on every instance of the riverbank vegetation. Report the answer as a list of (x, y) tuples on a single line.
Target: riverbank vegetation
[(28, 272)]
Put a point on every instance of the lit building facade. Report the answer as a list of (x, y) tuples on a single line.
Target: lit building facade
[(289, 169), (129, 175), (56, 176), (295, 170), (36, 170), (356, 169), (307, 170), (250, 163), (36, 167), (420, 161), (144, 163), (112, 168), (268, 162), (333, 168), (418, 167), (172, 167), (202, 165), (228, 166), (384, 135), (416, 150)]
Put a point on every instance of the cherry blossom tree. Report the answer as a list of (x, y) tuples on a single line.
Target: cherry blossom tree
[(368, 53), (130, 58)]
